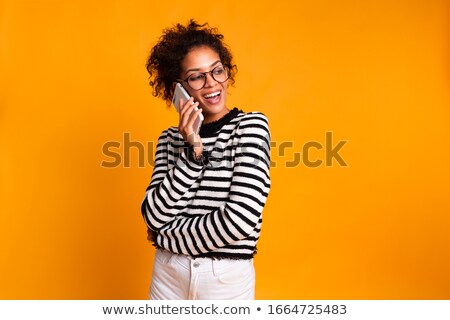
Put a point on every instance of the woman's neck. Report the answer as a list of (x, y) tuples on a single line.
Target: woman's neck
[(215, 117)]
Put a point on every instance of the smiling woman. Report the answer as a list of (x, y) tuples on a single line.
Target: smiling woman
[(204, 204), (209, 91)]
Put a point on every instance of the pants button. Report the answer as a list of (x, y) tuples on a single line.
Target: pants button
[(196, 264)]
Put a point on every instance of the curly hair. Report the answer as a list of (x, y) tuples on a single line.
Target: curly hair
[(164, 62)]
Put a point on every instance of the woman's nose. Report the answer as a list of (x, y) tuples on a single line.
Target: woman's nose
[(210, 81)]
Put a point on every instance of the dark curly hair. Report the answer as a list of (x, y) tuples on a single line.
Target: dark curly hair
[(164, 62)]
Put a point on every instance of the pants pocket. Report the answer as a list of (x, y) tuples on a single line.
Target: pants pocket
[(168, 278), (234, 272)]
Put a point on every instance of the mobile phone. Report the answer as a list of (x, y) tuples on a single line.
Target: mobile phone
[(181, 93)]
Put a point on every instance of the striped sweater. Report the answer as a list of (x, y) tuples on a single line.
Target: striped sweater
[(213, 209)]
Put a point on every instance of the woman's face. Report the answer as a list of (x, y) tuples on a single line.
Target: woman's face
[(212, 97)]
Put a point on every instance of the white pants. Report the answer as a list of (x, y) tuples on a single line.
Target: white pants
[(180, 277)]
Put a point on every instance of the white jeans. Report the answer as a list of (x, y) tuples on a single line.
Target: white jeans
[(180, 277)]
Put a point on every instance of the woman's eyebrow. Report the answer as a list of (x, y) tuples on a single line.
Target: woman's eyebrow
[(198, 69)]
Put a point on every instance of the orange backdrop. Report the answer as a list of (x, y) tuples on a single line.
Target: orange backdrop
[(372, 73)]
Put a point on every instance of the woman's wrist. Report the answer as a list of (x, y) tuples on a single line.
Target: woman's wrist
[(197, 154)]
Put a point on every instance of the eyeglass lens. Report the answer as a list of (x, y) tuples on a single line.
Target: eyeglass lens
[(198, 80)]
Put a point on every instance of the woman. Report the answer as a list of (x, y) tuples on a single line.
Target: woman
[(204, 204)]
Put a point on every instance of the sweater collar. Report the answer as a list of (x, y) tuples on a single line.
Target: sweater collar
[(210, 129)]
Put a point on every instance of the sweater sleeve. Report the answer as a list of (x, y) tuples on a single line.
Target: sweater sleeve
[(167, 186), (242, 212)]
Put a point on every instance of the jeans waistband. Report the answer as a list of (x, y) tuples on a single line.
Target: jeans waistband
[(199, 264)]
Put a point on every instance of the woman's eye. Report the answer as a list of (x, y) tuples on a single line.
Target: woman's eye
[(218, 71), (196, 77)]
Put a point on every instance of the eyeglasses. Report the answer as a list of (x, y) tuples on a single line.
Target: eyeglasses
[(198, 80)]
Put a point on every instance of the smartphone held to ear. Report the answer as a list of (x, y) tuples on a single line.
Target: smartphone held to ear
[(181, 93)]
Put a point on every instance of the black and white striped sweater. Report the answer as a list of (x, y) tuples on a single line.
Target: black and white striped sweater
[(214, 209)]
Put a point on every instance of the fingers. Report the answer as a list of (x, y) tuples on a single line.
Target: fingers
[(184, 105), (186, 120), (193, 117), (188, 116)]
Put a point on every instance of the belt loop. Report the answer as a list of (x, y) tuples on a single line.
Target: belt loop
[(214, 267), (171, 256), (167, 255)]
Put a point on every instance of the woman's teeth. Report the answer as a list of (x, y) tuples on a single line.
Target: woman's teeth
[(211, 95)]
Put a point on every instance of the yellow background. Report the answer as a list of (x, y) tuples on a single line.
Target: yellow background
[(374, 73)]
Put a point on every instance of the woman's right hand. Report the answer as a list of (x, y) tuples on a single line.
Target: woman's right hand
[(186, 125)]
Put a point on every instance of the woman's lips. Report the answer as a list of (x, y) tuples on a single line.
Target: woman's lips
[(213, 98)]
